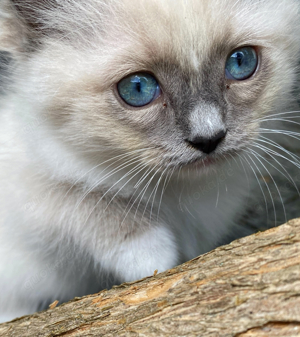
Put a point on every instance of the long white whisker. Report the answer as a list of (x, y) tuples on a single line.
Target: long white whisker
[(218, 193), (263, 193), (246, 173), (149, 170), (291, 134), (279, 147), (285, 120), (142, 193), (288, 177), (156, 188), (109, 174), (124, 176), (274, 182), (149, 198), (166, 182), (119, 157), (140, 168), (233, 158), (275, 115)]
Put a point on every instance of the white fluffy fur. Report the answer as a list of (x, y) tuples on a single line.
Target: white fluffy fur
[(57, 124)]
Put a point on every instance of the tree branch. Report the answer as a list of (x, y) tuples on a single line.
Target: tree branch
[(250, 287)]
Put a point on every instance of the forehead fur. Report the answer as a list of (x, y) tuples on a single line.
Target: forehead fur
[(184, 29), (121, 37)]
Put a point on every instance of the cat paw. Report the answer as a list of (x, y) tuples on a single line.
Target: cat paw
[(139, 257)]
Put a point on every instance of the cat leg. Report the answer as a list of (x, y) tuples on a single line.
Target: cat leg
[(140, 254), (21, 290), (30, 280)]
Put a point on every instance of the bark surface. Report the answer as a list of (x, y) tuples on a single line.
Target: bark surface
[(250, 287)]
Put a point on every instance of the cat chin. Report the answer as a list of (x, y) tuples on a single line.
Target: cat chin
[(205, 164)]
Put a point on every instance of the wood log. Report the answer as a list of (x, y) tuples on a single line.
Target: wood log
[(250, 287)]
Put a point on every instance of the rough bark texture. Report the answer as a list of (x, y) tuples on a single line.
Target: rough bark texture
[(248, 288)]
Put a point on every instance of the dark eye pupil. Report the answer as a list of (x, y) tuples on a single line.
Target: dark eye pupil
[(240, 58), (138, 87)]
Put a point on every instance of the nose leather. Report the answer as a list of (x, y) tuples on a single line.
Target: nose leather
[(207, 145)]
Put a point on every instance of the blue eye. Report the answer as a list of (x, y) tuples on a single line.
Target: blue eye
[(139, 89), (241, 64)]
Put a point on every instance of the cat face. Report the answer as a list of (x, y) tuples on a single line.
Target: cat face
[(181, 83)]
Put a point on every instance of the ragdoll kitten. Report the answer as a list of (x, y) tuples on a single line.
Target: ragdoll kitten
[(127, 133)]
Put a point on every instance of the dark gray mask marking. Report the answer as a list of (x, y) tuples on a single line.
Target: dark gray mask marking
[(5, 63)]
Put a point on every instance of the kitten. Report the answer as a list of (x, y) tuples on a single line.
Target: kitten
[(127, 134)]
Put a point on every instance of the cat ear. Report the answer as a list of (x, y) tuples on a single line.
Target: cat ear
[(30, 11)]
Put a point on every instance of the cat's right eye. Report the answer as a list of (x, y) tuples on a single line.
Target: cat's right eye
[(139, 89)]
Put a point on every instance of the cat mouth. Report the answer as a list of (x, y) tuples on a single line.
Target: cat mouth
[(208, 161), (204, 162), (199, 163)]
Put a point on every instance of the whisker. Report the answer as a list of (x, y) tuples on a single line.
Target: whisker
[(124, 176), (136, 189), (218, 193), (246, 174), (143, 177), (143, 165), (166, 182), (108, 175), (148, 171), (274, 182), (291, 134), (120, 157), (149, 198), (288, 177), (260, 186), (156, 188), (181, 192), (285, 120), (275, 115), (142, 193), (233, 158), (279, 147)]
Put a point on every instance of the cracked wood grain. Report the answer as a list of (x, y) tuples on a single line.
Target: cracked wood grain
[(250, 287)]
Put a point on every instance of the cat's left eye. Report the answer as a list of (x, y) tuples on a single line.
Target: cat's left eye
[(241, 64), (139, 89)]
